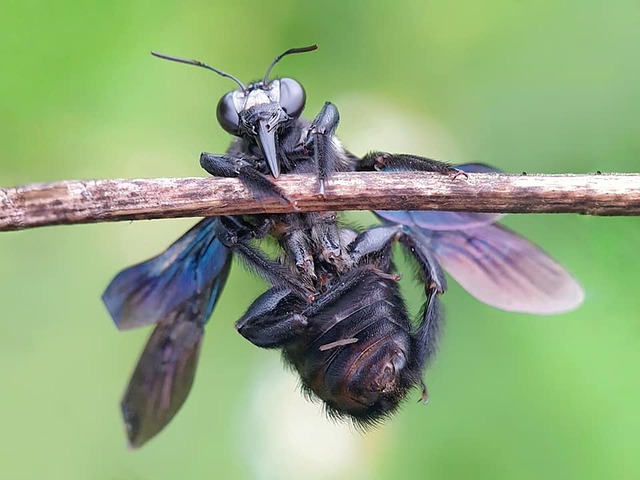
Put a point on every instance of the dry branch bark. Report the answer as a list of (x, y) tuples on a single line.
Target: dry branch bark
[(90, 201)]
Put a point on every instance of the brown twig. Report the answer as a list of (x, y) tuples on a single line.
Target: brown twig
[(91, 201)]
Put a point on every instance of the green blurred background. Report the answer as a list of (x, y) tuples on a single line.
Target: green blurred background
[(526, 86)]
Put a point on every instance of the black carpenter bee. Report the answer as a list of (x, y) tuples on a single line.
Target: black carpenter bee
[(333, 306)]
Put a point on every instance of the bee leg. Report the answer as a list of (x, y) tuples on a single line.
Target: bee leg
[(236, 233), (429, 328), (427, 335), (296, 243), (315, 232), (237, 229), (269, 323), (432, 273), (405, 163), (326, 235), (377, 240), (373, 241), (326, 149), (234, 167)]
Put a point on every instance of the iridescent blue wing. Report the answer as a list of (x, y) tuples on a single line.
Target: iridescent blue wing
[(148, 292), (495, 265), (162, 379), (177, 290)]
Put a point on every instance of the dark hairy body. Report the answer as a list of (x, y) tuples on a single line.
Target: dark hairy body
[(335, 310)]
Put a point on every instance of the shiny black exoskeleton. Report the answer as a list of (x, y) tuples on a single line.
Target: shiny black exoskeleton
[(333, 307)]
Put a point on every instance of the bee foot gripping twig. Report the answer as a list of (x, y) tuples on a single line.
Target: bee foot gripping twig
[(424, 396)]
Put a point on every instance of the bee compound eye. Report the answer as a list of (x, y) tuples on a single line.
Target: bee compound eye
[(227, 115), (292, 97)]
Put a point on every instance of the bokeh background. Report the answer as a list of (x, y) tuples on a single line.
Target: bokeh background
[(526, 86)]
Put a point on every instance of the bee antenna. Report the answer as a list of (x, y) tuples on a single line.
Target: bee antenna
[(310, 48), (200, 64)]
